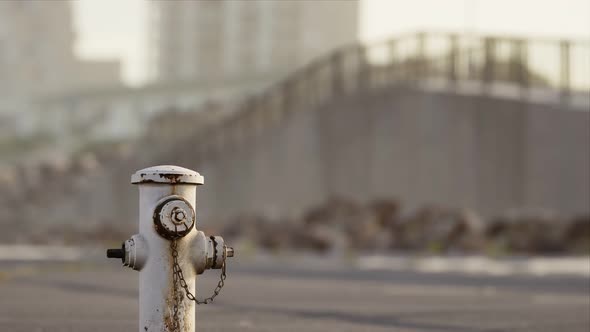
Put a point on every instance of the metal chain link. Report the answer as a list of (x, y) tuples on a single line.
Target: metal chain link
[(178, 278)]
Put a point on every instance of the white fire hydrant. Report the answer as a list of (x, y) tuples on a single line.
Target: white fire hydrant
[(169, 251)]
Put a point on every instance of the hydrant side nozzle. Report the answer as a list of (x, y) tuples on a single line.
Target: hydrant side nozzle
[(135, 252), (117, 253), (201, 254)]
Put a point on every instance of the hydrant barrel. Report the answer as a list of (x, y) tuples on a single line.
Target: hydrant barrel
[(169, 251), (156, 291)]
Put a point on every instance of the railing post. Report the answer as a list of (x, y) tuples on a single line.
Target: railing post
[(169, 252), (363, 70), (393, 58), (307, 88), (256, 118), (565, 83), (453, 58), (234, 129), (285, 92), (336, 70), (221, 137), (421, 69), (489, 60), (521, 64)]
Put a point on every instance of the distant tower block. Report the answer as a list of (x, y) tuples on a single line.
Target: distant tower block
[(226, 39)]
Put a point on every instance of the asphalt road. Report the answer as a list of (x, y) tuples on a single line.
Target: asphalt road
[(271, 296)]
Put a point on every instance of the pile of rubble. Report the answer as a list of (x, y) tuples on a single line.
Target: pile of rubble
[(344, 225), (64, 200), (88, 200)]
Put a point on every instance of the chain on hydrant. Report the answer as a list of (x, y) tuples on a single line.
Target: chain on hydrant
[(178, 279), (169, 252)]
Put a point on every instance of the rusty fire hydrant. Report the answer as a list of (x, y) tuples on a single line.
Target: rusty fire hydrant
[(169, 251)]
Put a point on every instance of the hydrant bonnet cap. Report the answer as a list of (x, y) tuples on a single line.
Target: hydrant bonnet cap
[(167, 174)]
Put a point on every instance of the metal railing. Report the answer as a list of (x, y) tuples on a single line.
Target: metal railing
[(556, 67)]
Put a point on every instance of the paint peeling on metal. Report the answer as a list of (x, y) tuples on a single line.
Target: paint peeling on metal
[(168, 175)]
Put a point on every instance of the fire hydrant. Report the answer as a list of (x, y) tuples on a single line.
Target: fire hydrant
[(169, 251)]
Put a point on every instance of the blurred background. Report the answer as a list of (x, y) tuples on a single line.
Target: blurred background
[(370, 135)]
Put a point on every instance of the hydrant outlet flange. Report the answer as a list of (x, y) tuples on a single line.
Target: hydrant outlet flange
[(174, 217), (219, 252)]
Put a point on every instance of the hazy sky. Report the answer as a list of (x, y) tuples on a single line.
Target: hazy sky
[(118, 28)]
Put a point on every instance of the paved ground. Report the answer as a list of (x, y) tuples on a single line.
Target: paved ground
[(266, 296)]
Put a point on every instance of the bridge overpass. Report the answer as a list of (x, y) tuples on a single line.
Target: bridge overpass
[(426, 118)]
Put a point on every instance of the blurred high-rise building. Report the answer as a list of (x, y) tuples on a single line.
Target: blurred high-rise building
[(231, 39), (36, 51), (37, 60)]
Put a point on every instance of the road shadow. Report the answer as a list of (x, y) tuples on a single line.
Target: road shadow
[(380, 320), (82, 287)]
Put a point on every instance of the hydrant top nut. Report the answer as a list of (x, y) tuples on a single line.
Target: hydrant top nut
[(179, 216), (167, 174)]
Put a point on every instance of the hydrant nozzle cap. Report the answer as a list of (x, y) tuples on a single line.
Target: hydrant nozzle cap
[(167, 174)]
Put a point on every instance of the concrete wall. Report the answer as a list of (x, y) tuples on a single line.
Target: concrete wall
[(480, 152)]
